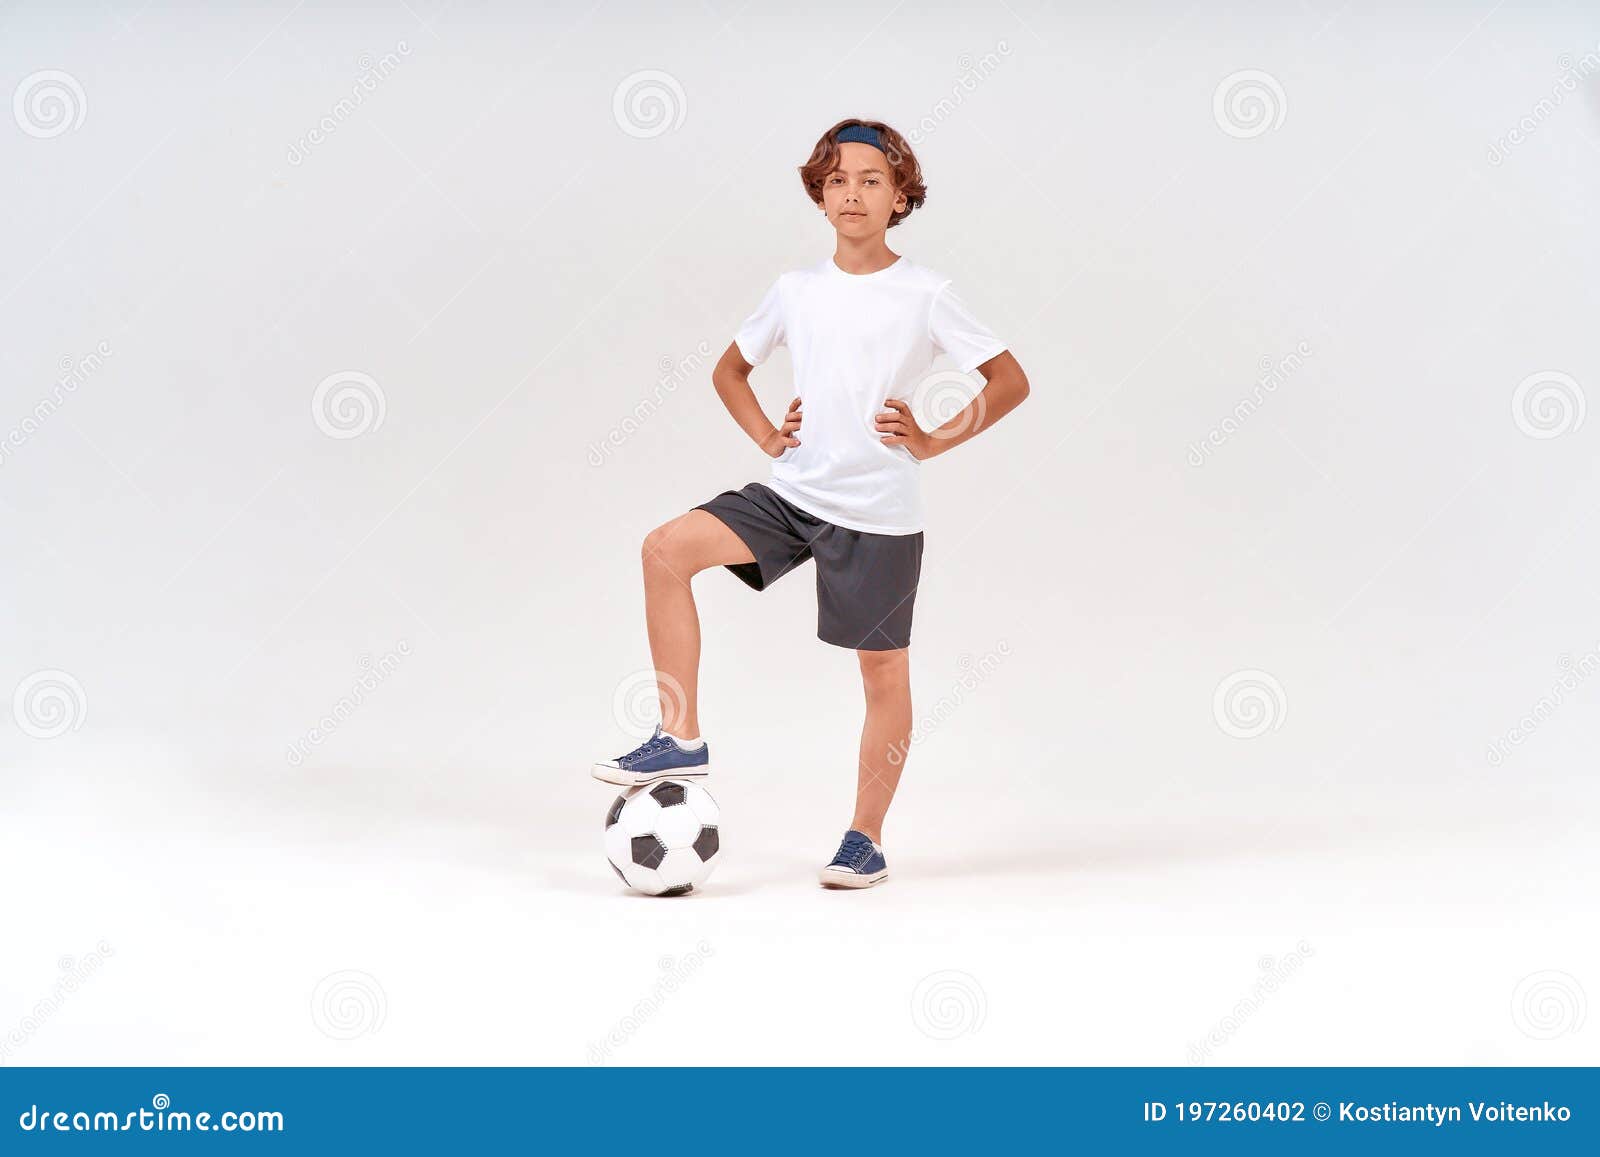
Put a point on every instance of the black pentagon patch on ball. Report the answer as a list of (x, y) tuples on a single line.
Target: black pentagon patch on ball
[(680, 890), (668, 794), (616, 810), (648, 851), (618, 871), (706, 843)]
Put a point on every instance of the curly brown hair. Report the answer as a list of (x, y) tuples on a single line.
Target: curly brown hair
[(904, 170)]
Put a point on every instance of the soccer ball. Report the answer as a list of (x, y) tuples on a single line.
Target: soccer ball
[(661, 838)]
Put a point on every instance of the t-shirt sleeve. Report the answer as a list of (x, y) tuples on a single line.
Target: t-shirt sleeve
[(763, 331), (955, 331)]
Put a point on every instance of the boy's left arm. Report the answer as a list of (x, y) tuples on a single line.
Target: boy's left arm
[(1006, 386)]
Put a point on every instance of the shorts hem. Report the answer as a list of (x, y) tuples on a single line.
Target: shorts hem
[(749, 573), (886, 645)]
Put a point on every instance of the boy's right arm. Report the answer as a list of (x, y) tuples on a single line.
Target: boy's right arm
[(732, 381)]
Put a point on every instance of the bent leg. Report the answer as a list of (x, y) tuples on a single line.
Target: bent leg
[(673, 553), (885, 736)]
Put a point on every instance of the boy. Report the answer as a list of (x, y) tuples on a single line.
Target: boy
[(863, 328)]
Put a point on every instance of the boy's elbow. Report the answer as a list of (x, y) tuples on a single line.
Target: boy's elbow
[(726, 375), (1006, 374)]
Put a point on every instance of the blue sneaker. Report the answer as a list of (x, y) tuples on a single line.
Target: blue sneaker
[(859, 863), (659, 757)]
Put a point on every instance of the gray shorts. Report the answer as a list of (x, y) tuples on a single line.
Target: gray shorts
[(866, 583)]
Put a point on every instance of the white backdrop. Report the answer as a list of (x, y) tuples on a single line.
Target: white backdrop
[(350, 351)]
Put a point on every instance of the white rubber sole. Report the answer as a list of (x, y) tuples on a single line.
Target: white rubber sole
[(833, 878), (606, 773)]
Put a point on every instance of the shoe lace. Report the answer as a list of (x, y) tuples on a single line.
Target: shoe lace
[(853, 851), (655, 743)]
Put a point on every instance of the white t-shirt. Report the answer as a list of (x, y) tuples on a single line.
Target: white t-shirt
[(856, 339)]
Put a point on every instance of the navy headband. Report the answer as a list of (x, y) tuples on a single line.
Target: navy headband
[(865, 135)]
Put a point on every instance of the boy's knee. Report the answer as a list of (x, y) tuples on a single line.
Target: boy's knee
[(659, 549), (884, 665)]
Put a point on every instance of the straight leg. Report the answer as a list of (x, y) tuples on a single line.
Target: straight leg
[(885, 736)]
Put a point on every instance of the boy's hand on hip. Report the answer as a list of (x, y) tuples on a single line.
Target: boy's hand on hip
[(782, 438), (898, 428)]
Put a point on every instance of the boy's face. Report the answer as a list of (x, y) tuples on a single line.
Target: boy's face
[(859, 196)]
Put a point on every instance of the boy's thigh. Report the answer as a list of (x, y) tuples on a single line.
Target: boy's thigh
[(697, 540), (775, 535)]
